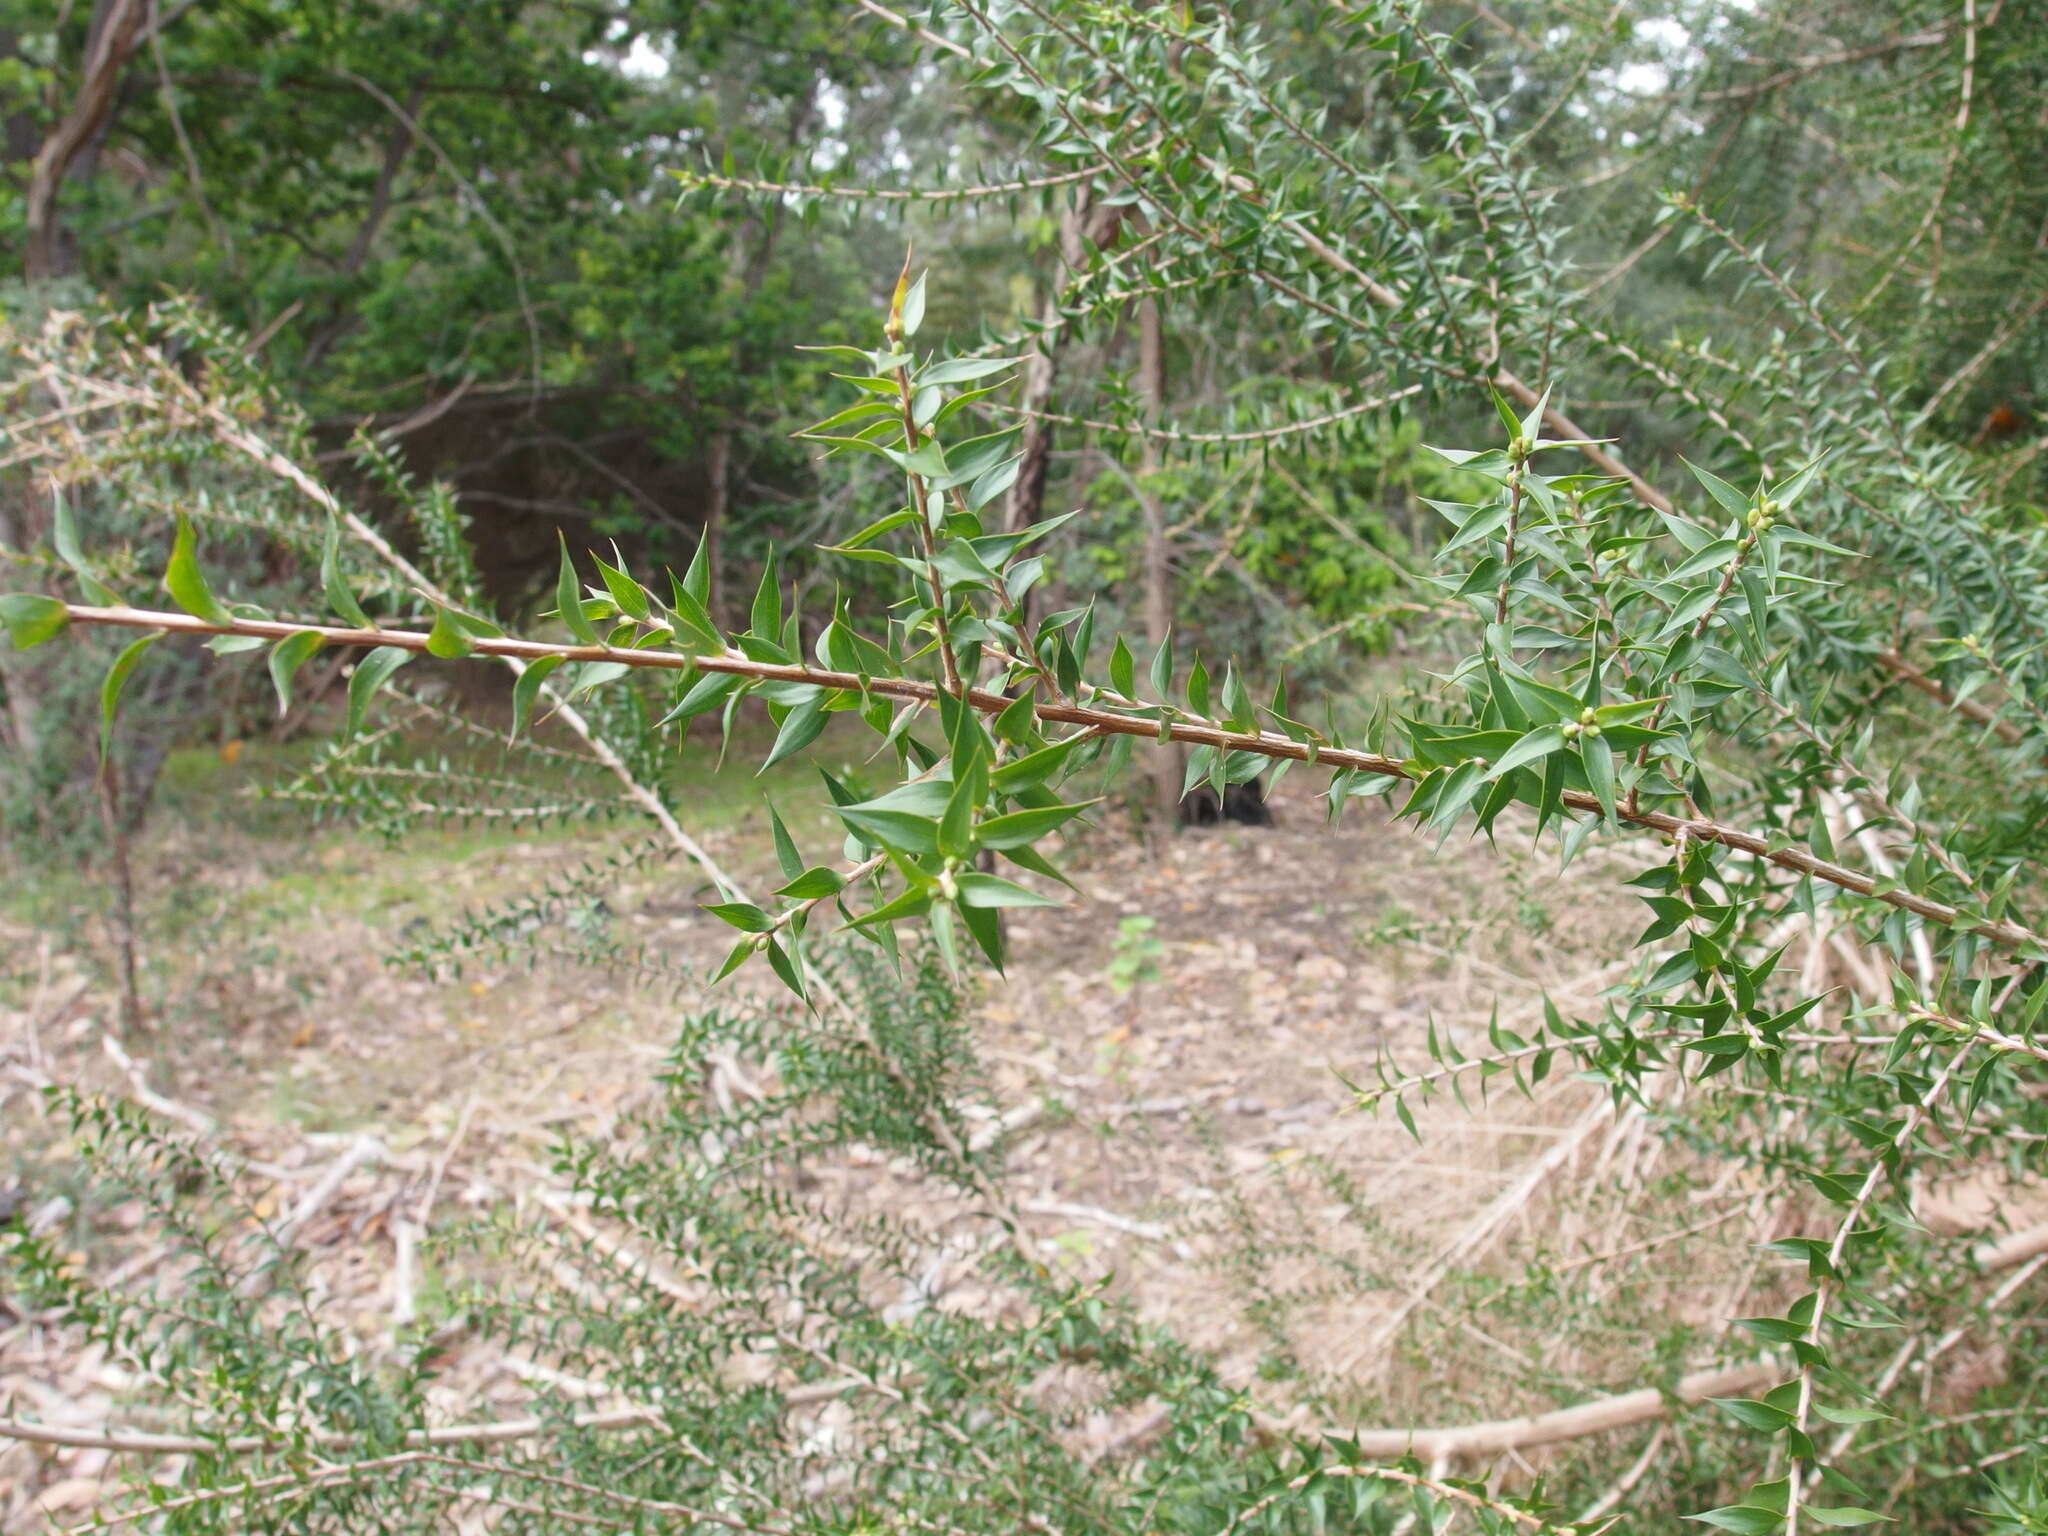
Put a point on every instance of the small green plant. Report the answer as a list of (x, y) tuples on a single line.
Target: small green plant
[(1134, 956)]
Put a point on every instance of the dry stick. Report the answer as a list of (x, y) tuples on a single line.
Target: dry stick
[(1966, 94), (1941, 1347), (888, 194), (1253, 435), (254, 448), (138, 1443), (1484, 1226), (1830, 1283), (1486, 1439), (149, 1098), (1913, 677), (2000, 338), (406, 1232), (1841, 816), (364, 1149), (1625, 1485), (1198, 732)]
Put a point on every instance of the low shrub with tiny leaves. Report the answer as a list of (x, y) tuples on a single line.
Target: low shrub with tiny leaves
[(1790, 685)]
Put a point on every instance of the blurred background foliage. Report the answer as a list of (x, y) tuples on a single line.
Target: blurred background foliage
[(449, 227)]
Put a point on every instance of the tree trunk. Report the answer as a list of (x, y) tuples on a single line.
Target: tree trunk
[(116, 34), (122, 917), (1166, 764), (718, 493), (49, 251), (1027, 497), (1081, 226)]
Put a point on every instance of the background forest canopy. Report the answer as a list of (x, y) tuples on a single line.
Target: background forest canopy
[(1620, 420), (458, 234)]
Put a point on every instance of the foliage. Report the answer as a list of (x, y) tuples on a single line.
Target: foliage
[(1791, 683)]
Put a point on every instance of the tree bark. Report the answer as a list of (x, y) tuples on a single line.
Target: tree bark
[(718, 495), (116, 34), (1166, 765), (1027, 497), (122, 917)]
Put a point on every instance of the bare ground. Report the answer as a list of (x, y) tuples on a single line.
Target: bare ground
[(1170, 1050)]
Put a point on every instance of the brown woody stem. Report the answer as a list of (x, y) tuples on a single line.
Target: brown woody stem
[(1195, 732)]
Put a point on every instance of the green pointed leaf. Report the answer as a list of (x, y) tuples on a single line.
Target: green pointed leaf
[(339, 598), (1599, 774), (1019, 828), (1743, 1519), (965, 370), (593, 675), (814, 884), (1850, 1415), (446, 640), (1731, 499), (1754, 1415), (286, 657), (1536, 744), (526, 688), (187, 583), (780, 962), (736, 957), (985, 925), (1122, 669), (371, 673), (1711, 557), (1035, 769), (800, 727), (64, 535), (956, 826), (912, 311), (706, 694), (993, 482), (977, 890), (786, 855), (690, 613), (743, 915), (1240, 714), (1508, 417), (914, 902), (626, 592), (897, 519), (117, 679), (569, 599), (31, 618), (1016, 721), (1162, 668), (898, 831), (766, 618)]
